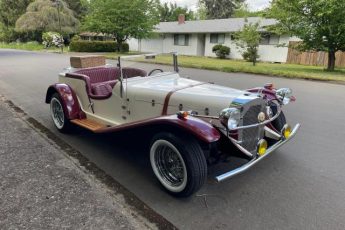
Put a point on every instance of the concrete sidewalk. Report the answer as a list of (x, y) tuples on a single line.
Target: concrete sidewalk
[(43, 188)]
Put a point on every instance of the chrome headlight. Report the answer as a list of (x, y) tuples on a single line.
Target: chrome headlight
[(230, 117), (284, 94)]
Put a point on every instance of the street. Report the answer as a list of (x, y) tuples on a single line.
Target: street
[(300, 186)]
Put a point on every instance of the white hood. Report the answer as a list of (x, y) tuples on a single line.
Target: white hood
[(192, 95)]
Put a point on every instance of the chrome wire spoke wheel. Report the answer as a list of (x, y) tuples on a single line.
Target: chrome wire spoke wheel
[(57, 113), (168, 165)]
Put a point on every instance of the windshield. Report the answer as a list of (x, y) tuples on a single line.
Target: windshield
[(147, 64)]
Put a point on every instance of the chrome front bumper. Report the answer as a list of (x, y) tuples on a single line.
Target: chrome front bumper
[(256, 159)]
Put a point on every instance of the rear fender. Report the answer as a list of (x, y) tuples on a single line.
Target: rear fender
[(69, 100)]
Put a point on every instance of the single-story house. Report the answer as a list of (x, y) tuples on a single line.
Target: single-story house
[(198, 37)]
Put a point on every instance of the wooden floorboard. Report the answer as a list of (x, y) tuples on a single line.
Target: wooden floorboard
[(88, 124)]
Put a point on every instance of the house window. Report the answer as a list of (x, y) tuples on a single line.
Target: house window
[(181, 39), (269, 39), (274, 39), (265, 39), (217, 38)]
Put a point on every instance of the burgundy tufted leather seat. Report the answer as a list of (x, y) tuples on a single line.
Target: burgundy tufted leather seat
[(133, 72), (101, 89), (101, 80)]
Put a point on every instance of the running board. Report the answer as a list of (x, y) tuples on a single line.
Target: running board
[(88, 124)]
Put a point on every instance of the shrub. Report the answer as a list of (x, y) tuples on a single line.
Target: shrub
[(76, 38), (97, 46), (251, 54), (216, 48), (93, 46), (123, 47), (33, 43), (7, 34), (221, 51), (52, 39)]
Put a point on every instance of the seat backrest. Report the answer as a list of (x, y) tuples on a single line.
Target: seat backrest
[(102, 90), (133, 72), (101, 74)]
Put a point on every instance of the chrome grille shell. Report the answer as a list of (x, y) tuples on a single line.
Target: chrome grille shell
[(249, 137)]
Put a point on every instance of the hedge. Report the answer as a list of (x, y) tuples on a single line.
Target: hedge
[(97, 46)]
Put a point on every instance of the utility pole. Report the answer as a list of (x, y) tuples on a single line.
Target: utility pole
[(58, 4)]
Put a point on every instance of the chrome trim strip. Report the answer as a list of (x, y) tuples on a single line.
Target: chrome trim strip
[(237, 144), (247, 126), (260, 124), (253, 162), (272, 134)]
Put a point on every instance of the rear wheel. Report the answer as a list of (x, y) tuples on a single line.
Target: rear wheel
[(58, 114), (178, 163)]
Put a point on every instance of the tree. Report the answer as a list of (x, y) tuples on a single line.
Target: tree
[(43, 15), (243, 12), (319, 23), (216, 9), (201, 12), (170, 12), (248, 39), (10, 11), (79, 7), (122, 18)]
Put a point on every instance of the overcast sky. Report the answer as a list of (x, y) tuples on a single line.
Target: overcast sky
[(192, 4)]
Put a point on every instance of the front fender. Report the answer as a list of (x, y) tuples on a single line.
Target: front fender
[(199, 128), (69, 100), (269, 95), (196, 127)]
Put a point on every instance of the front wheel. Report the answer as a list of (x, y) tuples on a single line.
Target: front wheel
[(179, 164), (278, 123), (58, 115)]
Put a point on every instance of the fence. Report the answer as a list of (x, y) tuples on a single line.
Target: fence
[(313, 58)]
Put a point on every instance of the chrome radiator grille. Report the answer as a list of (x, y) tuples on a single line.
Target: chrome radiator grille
[(251, 136)]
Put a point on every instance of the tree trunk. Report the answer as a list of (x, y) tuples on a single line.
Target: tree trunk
[(117, 45), (331, 60)]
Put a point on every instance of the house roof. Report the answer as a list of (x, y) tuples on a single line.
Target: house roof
[(211, 26)]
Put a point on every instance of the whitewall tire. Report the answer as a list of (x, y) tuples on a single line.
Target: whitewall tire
[(178, 163), (58, 114)]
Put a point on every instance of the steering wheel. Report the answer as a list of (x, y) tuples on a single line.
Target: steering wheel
[(152, 71)]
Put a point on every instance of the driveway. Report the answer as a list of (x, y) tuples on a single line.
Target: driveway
[(300, 186)]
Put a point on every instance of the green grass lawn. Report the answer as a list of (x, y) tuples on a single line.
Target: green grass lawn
[(281, 70), (31, 46), (226, 65)]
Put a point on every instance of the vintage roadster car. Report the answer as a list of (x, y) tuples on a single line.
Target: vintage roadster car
[(193, 124)]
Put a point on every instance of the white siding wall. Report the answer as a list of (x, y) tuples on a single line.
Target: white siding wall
[(152, 45), (133, 44), (165, 44), (269, 53), (272, 53), (191, 49), (234, 52)]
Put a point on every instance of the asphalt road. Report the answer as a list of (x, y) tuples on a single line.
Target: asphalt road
[(300, 186)]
